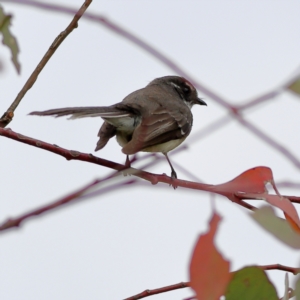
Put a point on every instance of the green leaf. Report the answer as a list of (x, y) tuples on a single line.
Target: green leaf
[(8, 39), (250, 283), (280, 228), (294, 86)]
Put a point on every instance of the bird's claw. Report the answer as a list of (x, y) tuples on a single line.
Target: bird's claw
[(173, 177)]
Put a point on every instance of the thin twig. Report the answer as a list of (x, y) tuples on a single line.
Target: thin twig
[(181, 285), (261, 99), (75, 155), (288, 184), (242, 196), (164, 289), (8, 115), (295, 271), (201, 133), (153, 178), (70, 198), (283, 150), (81, 194)]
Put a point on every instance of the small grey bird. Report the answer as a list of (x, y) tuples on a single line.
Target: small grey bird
[(156, 118)]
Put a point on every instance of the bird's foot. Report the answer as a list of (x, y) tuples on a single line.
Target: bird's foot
[(127, 162), (173, 177), (127, 165)]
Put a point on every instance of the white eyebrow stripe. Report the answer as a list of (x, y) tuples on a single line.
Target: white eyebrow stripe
[(175, 85)]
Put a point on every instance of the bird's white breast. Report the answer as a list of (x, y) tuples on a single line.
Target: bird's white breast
[(164, 147)]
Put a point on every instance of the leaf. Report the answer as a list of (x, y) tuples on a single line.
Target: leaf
[(209, 271), (280, 202), (251, 184), (251, 181), (278, 227), (8, 39), (294, 86), (292, 223), (287, 207), (250, 283)]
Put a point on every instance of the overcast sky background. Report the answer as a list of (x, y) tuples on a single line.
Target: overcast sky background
[(119, 244)]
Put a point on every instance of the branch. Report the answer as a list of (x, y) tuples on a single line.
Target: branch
[(241, 196), (215, 125), (8, 115), (283, 150), (261, 99), (288, 184), (165, 289), (153, 178), (75, 155), (81, 194), (295, 271), (181, 285), (78, 195)]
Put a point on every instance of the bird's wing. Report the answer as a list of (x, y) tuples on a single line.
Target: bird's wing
[(106, 132), (85, 112), (161, 126)]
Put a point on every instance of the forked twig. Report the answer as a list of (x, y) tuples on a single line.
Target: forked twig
[(9, 114)]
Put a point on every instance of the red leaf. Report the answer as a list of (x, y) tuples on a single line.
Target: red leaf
[(292, 223), (251, 185), (288, 209), (251, 181), (209, 271), (282, 203)]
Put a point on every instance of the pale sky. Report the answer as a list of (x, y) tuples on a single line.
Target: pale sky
[(141, 237)]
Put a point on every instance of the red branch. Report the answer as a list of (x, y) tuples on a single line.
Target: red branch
[(75, 155), (295, 271), (241, 196), (78, 195), (164, 289), (153, 178), (181, 285)]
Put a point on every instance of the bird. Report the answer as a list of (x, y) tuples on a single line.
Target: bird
[(156, 118)]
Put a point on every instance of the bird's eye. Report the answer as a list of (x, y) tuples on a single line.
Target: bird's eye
[(186, 89)]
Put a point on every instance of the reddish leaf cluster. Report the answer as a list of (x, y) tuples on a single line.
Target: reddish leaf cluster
[(209, 271)]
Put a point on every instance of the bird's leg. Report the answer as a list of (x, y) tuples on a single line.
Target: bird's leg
[(127, 165), (173, 173), (127, 162)]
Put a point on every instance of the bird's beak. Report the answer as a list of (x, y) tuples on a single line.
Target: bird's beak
[(200, 102)]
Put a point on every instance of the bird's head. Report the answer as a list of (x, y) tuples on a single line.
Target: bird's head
[(183, 88)]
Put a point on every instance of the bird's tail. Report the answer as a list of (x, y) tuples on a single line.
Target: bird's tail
[(82, 112)]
